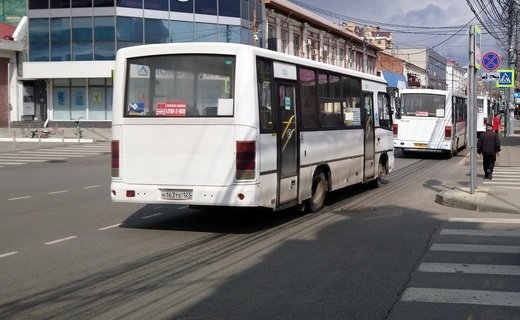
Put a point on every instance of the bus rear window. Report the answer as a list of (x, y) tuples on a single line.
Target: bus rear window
[(423, 105), (180, 86)]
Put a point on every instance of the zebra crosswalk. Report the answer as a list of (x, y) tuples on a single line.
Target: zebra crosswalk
[(57, 153), (479, 257), (505, 177)]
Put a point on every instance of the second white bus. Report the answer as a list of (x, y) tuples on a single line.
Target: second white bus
[(484, 113), (214, 124), (430, 120)]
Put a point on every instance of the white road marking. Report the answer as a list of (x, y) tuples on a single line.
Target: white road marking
[(26, 160), (486, 220), (501, 182), (480, 233), (57, 192), (507, 270), (60, 240), (475, 248), (91, 187), (109, 227), (19, 198), (480, 297), (3, 255), (152, 215)]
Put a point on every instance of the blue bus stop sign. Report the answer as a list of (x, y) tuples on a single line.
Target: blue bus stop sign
[(491, 61)]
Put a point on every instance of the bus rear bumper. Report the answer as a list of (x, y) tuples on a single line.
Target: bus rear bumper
[(244, 195), (422, 146)]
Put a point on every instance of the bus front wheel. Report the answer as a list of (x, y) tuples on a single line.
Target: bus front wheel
[(319, 190)]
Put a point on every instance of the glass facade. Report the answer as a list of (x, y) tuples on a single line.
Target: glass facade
[(82, 99), (69, 35), (98, 37)]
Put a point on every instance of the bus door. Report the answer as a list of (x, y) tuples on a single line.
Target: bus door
[(287, 143), (368, 128)]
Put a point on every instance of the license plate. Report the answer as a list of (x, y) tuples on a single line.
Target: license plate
[(167, 194), (420, 145)]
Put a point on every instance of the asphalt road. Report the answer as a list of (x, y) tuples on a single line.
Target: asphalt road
[(67, 252)]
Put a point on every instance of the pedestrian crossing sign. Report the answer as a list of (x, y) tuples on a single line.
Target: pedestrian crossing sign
[(506, 79)]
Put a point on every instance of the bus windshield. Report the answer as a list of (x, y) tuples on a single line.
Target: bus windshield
[(194, 85), (423, 105)]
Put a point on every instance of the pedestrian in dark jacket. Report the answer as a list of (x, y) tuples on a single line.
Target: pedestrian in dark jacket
[(488, 145)]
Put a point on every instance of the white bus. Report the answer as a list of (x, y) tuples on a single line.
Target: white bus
[(213, 124), (430, 120), (484, 113)]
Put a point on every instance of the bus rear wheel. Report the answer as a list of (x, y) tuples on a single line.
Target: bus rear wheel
[(381, 171), (319, 191)]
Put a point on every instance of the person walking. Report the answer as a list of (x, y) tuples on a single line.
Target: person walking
[(488, 145), (496, 123)]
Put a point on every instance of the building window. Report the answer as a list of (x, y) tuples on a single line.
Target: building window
[(205, 32), (206, 7), (60, 39), (82, 39), (130, 3), (181, 6), (285, 41), (297, 45), (104, 38), (56, 4), (81, 3), (156, 5), (181, 31), (228, 8), (229, 33), (76, 98), (129, 32), (103, 3), (156, 31), (61, 99), (38, 4), (39, 40), (99, 99)]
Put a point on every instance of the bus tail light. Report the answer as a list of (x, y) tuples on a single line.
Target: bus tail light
[(447, 132), (115, 158), (395, 128), (245, 160)]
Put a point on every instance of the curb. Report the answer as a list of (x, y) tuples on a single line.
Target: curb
[(479, 201), (49, 140)]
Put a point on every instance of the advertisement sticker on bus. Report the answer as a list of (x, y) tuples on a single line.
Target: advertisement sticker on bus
[(171, 109)]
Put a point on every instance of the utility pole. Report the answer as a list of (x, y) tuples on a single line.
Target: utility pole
[(474, 64), (510, 93)]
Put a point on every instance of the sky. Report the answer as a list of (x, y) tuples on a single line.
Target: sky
[(403, 15)]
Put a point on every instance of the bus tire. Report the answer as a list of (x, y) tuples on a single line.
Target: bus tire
[(381, 172), (456, 150), (319, 191)]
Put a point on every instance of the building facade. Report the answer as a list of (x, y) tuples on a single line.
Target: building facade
[(429, 60), (456, 79), (72, 45), (293, 30)]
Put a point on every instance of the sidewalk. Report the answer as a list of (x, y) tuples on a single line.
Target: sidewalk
[(22, 138), (486, 198), (30, 137)]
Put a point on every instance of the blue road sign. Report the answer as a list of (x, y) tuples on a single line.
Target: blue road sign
[(506, 79), (491, 61)]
